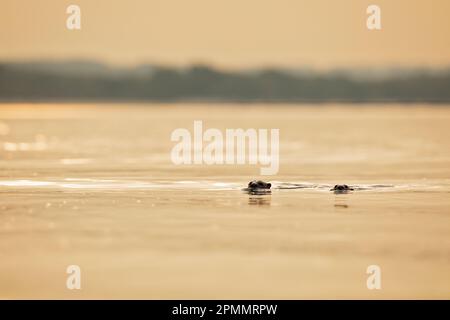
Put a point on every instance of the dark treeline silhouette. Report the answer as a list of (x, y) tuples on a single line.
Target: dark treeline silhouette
[(84, 81)]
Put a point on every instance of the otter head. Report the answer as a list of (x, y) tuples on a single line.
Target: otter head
[(341, 188), (258, 184)]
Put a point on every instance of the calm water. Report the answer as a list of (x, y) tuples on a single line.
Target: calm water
[(93, 185)]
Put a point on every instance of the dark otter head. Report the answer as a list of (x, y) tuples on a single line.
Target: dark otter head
[(341, 187), (258, 184)]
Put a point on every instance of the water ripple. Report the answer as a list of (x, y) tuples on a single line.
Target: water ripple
[(113, 184)]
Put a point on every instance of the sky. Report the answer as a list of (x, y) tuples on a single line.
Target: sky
[(230, 33)]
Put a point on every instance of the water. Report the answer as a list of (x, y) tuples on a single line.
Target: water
[(93, 185)]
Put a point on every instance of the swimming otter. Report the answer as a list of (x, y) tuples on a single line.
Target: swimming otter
[(258, 187), (341, 188), (258, 184)]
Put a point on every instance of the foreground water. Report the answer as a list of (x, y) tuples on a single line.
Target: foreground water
[(94, 186)]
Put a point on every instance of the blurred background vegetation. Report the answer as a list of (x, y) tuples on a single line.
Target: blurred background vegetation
[(93, 81)]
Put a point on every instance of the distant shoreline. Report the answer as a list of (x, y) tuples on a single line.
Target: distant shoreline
[(224, 102), (94, 82)]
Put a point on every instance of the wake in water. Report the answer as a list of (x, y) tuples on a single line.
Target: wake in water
[(328, 187)]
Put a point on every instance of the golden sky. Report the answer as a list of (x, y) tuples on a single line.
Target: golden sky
[(230, 33)]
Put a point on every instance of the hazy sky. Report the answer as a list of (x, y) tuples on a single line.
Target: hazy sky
[(230, 33)]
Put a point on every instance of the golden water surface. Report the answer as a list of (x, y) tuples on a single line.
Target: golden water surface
[(93, 185)]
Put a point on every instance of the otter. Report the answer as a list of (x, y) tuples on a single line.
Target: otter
[(258, 186), (341, 188)]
